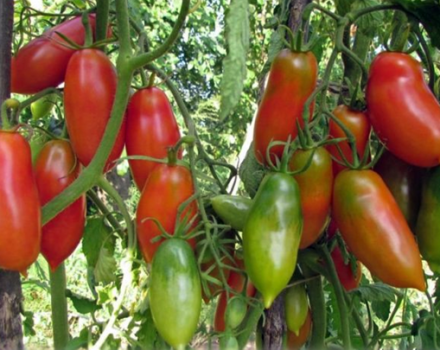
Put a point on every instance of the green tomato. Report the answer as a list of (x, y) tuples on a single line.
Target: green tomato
[(296, 307), (233, 210), (235, 312), (42, 107), (272, 235), (175, 292)]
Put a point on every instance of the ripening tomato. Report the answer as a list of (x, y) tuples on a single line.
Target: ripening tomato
[(167, 187), (292, 79), (296, 307), (151, 128), (315, 187), (403, 111), (272, 235), (348, 279), (42, 63), (175, 292), (405, 183), (359, 125), (295, 342), (375, 229), (89, 92), (20, 223), (55, 169)]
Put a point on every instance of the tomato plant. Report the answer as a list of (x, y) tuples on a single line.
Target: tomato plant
[(151, 128), (291, 81), (20, 226), (403, 111), (89, 93), (55, 169)]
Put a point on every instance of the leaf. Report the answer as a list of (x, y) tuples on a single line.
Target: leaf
[(28, 323), (81, 304), (276, 44), (98, 246), (381, 309), (376, 292), (105, 267), (427, 12), (80, 341), (234, 64), (369, 23), (251, 172)]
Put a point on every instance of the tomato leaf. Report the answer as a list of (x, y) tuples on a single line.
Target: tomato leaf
[(251, 172), (81, 304), (96, 234), (369, 23), (376, 292), (427, 12), (381, 309), (105, 266), (234, 64)]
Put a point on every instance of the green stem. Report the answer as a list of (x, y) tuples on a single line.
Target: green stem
[(343, 312), (383, 332), (26, 103), (317, 303), (60, 323), (428, 56), (4, 116), (353, 16), (102, 11), (248, 327), (88, 28), (148, 57), (359, 322), (103, 209)]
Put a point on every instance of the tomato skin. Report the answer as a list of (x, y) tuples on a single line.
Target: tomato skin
[(151, 128), (42, 63), (315, 187), (292, 79), (295, 342), (405, 183), (359, 125), (236, 282), (375, 229), (345, 274), (55, 169), (428, 221), (296, 307), (233, 210), (20, 224), (89, 92), (403, 111), (272, 235), (167, 187), (175, 292)]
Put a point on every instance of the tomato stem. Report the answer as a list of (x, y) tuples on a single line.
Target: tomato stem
[(102, 11), (89, 36), (60, 323)]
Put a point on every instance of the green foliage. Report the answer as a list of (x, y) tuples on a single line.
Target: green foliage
[(234, 64)]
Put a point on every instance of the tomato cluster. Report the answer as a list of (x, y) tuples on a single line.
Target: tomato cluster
[(305, 187)]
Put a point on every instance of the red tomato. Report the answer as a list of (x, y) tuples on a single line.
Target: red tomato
[(236, 281), (403, 111), (42, 63), (151, 128), (20, 223), (355, 121), (345, 274), (315, 186), (55, 169), (375, 229), (292, 79), (89, 92), (167, 187), (295, 342)]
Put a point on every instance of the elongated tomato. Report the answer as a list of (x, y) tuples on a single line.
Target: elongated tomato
[(315, 187), (42, 63), (375, 229), (89, 92), (165, 190), (20, 223), (55, 169), (151, 128), (292, 79), (404, 113), (355, 121)]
